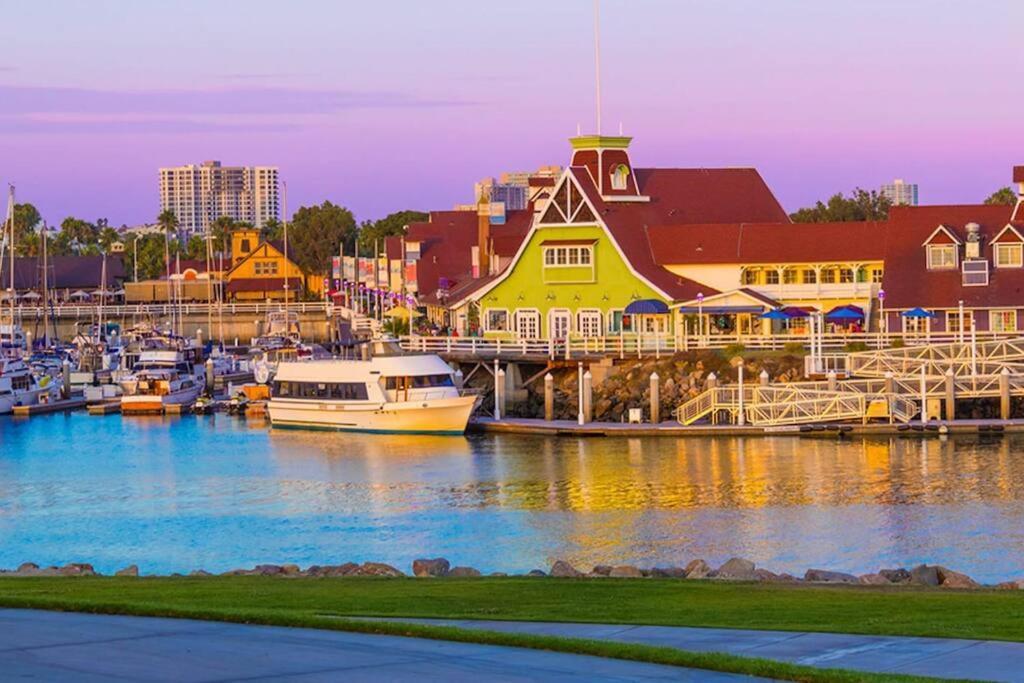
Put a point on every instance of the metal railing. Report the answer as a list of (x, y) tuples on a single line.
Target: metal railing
[(70, 310)]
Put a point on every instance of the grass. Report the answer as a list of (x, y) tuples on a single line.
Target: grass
[(323, 603)]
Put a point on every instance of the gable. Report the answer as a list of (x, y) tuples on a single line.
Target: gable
[(941, 235), (265, 250), (1008, 235), (568, 205)]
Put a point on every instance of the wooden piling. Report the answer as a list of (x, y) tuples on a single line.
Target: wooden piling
[(549, 397), (655, 398)]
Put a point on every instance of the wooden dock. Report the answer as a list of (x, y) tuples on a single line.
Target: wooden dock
[(105, 408), (52, 407)]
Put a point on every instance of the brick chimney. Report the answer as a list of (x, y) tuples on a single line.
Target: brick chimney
[(483, 235)]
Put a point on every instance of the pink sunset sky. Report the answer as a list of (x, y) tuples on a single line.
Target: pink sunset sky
[(389, 105)]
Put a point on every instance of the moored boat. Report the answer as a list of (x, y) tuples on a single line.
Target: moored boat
[(161, 378)]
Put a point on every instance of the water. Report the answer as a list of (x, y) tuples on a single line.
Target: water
[(175, 494)]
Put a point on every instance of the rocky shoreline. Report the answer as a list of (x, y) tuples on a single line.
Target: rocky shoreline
[(735, 569)]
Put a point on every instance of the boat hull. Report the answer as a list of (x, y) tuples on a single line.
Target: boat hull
[(429, 416), (22, 398), (153, 403)]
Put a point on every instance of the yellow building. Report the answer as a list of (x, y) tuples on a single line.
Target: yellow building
[(259, 271)]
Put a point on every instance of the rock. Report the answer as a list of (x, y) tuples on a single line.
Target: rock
[(562, 569), (668, 573), (697, 569), (601, 570), (463, 572), (267, 569), (896, 575), (626, 572), (536, 572), (27, 568), (77, 569), (378, 569), (874, 580), (130, 570), (199, 573), (951, 579), (346, 569), (291, 569), (824, 576), (925, 575), (1011, 585), (765, 575), (436, 567), (498, 574), (737, 569)]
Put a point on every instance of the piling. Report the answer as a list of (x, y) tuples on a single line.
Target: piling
[(209, 376), (764, 378), (712, 381), (889, 382), (950, 395), (1004, 394), (655, 398), (459, 379), (499, 389), (833, 380), (549, 397), (65, 380), (588, 397)]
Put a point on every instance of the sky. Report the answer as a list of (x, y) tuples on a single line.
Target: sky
[(403, 104)]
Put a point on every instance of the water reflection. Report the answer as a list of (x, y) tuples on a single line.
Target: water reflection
[(174, 494)]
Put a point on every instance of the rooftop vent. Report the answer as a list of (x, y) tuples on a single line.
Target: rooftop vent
[(972, 250)]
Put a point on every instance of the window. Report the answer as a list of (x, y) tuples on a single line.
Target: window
[(527, 324), (750, 277), (337, 391), (810, 276), (771, 277), (954, 324), (1009, 255), (265, 267), (615, 317), (876, 275), (418, 382), (789, 276), (568, 256), (497, 320), (941, 256), (589, 323), (1002, 321), (846, 275), (975, 273), (620, 177), (828, 275)]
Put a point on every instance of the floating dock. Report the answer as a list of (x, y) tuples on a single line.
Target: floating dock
[(105, 407), (51, 407)]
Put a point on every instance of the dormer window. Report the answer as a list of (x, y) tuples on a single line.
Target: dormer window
[(620, 177), (941, 256), (1009, 255)]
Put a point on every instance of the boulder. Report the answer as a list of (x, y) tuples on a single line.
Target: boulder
[(347, 569), (130, 570), (463, 572), (562, 569), (737, 569), (625, 572), (601, 570), (765, 575), (378, 569), (874, 580), (77, 569), (925, 575), (27, 568), (199, 573), (435, 567), (498, 574), (900, 575), (290, 569), (267, 570), (824, 576), (536, 572), (697, 569), (951, 579), (668, 573), (1011, 585)]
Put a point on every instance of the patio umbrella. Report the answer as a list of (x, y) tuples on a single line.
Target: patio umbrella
[(776, 314), (31, 295), (843, 313), (403, 313), (917, 313), (80, 294), (797, 312), (646, 307)]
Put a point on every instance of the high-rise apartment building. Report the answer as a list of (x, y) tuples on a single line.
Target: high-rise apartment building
[(200, 194), (900, 192), (514, 189)]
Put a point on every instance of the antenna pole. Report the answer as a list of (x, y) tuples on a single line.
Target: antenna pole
[(597, 61), (284, 208)]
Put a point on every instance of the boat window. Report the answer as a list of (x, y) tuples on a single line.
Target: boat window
[(337, 391), (420, 381)]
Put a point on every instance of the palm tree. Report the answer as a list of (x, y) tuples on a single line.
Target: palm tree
[(168, 222)]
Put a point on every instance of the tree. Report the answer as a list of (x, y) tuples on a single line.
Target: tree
[(315, 234), (195, 248), (168, 223), (861, 205), (106, 238), (26, 218), (221, 230), (1004, 195), (78, 234), (371, 232), (150, 249), (273, 229)]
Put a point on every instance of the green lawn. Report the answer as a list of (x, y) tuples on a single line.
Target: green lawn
[(322, 602)]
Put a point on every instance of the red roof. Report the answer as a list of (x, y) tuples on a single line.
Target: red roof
[(681, 196), (1018, 174), (767, 242), (907, 281)]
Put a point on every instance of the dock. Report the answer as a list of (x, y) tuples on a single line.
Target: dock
[(52, 407), (105, 408)]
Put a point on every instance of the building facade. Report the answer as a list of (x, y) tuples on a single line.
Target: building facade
[(900, 193), (200, 194)]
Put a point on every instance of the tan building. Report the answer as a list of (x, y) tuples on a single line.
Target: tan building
[(200, 194)]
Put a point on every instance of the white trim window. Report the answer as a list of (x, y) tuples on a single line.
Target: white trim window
[(1009, 255), (1002, 321), (496, 320), (953, 321), (588, 322), (914, 325), (975, 273), (568, 256), (559, 323), (527, 323), (941, 256), (620, 177)]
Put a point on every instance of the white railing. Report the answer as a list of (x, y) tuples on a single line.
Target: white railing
[(68, 310)]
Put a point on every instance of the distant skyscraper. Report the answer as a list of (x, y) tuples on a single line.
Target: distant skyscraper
[(900, 192), (515, 190), (199, 195)]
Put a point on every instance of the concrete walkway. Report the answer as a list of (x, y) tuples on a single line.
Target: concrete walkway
[(51, 646), (940, 657)]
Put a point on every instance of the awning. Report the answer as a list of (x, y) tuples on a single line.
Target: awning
[(775, 314), (31, 295), (845, 313), (646, 307), (917, 313)]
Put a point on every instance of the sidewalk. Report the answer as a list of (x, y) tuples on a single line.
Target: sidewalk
[(940, 657), (54, 646)]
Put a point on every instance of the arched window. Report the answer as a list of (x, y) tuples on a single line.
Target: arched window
[(620, 177)]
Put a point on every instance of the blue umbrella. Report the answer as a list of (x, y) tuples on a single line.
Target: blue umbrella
[(776, 314), (844, 313), (647, 307), (917, 313)]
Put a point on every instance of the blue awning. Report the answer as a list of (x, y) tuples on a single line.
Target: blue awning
[(917, 313), (775, 314), (845, 313), (647, 307)]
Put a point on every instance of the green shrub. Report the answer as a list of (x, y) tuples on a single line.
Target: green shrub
[(734, 350), (851, 347), (793, 347), (898, 343)]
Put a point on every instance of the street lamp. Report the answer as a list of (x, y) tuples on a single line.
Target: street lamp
[(135, 255), (737, 362), (883, 324), (700, 316)]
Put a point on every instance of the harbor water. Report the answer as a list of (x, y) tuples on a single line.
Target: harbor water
[(176, 494)]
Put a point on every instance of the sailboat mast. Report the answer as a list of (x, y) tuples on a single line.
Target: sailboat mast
[(103, 295), (284, 208), (10, 246), (46, 292)]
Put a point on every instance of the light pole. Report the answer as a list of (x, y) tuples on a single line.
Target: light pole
[(737, 362), (135, 256), (700, 317), (883, 323), (579, 378), (960, 322)]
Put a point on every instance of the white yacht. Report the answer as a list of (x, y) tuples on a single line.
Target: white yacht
[(18, 386), (385, 393), (160, 378)]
